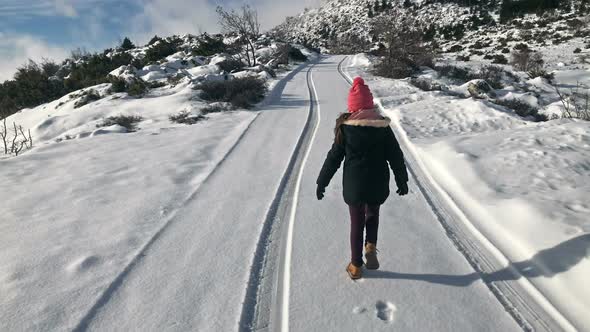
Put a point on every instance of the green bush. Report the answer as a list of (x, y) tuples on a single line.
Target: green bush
[(137, 88), (209, 45), (212, 109), (240, 92), (185, 117), (491, 74), (231, 65), (522, 109), (127, 121), (117, 84), (499, 59), (159, 51), (463, 57), (295, 54), (453, 72)]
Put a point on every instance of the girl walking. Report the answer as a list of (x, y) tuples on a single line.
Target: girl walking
[(366, 143)]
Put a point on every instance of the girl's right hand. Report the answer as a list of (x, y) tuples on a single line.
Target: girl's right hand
[(402, 189)]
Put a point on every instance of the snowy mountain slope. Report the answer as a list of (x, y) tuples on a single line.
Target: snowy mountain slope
[(86, 201), (475, 30)]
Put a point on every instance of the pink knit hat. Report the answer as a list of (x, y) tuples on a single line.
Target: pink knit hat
[(359, 97)]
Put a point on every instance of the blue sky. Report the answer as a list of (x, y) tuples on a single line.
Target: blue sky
[(52, 28)]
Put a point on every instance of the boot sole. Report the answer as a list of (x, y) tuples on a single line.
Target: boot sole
[(352, 276), (370, 266)]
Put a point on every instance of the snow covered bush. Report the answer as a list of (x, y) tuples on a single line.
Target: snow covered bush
[(240, 92), (87, 97), (129, 122), (186, 117)]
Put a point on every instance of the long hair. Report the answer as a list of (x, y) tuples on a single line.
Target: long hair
[(338, 129)]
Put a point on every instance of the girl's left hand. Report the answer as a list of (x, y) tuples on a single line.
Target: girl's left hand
[(320, 193)]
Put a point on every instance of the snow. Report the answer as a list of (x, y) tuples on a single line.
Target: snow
[(523, 185), (86, 203)]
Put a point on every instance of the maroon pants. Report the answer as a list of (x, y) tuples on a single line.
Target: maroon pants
[(361, 217)]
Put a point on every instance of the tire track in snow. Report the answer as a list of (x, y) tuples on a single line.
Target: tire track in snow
[(265, 306), (468, 240), (112, 287)]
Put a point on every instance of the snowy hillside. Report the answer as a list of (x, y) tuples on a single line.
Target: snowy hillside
[(476, 30)]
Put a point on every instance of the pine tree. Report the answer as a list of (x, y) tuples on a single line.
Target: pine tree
[(371, 14), (384, 5), (127, 44), (407, 4)]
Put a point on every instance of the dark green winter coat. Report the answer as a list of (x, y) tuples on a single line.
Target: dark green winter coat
[(367, 145)]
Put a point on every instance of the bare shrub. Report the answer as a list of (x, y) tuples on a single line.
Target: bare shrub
[(576, 104), (525, 59), (127, 121), (19, 141), (186, 117), (243, 24)]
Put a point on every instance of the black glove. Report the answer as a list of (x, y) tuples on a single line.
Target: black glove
[(402, 189), (320, 192)]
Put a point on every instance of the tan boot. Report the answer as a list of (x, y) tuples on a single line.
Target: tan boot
[(354, 272), (371, 256)]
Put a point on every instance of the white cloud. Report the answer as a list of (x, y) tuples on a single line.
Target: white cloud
[(15, 50), (168, 17), (273, 12), (66, 8)]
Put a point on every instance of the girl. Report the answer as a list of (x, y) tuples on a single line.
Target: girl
[(365, 141)]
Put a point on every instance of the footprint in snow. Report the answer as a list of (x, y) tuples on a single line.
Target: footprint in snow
[(358, 310), (83, 263), (385, 311)]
